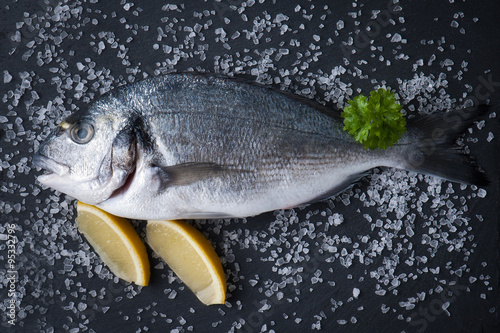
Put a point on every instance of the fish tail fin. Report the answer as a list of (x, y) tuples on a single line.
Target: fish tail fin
[(436, 152)]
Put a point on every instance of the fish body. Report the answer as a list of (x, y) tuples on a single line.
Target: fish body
[(187, 146)]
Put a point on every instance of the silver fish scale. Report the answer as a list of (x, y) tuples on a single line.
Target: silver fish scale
[(253, 128), (267, 140), (228, 98)]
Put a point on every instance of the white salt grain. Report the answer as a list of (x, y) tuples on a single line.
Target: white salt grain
[(396, 38), (6, 76)]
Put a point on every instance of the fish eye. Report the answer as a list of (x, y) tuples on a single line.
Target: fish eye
[(82, 132)]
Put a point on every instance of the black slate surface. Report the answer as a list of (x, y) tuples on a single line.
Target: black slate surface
[(398, 252)]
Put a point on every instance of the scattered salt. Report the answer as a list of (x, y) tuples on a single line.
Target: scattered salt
[(293, 243), (355, 292)]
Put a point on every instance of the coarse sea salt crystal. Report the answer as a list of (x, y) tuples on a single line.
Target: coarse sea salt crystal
[(6, 77), (481, 193), (396, 38)]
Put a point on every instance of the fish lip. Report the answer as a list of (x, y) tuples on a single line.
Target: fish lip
[(49, 165)]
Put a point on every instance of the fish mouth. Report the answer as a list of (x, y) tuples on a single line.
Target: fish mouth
[(50, 166)]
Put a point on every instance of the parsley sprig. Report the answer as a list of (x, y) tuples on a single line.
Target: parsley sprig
[(376, 122)]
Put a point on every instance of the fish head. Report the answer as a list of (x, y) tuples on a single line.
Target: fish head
[(89, 155)]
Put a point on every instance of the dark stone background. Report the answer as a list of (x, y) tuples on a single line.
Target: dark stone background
[(429, 248)]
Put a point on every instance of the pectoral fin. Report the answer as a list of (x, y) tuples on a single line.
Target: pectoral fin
[(186, 173)]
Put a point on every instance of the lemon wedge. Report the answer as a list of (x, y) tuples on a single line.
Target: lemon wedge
[(191, 256), (115, 240)]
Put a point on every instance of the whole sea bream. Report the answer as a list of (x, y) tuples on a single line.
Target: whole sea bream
[(189, 146)]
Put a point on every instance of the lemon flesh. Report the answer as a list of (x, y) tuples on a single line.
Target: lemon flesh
[(191, 256), (116, 242)]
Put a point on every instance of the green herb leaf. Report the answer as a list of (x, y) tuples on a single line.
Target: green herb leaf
[(376, 122)]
